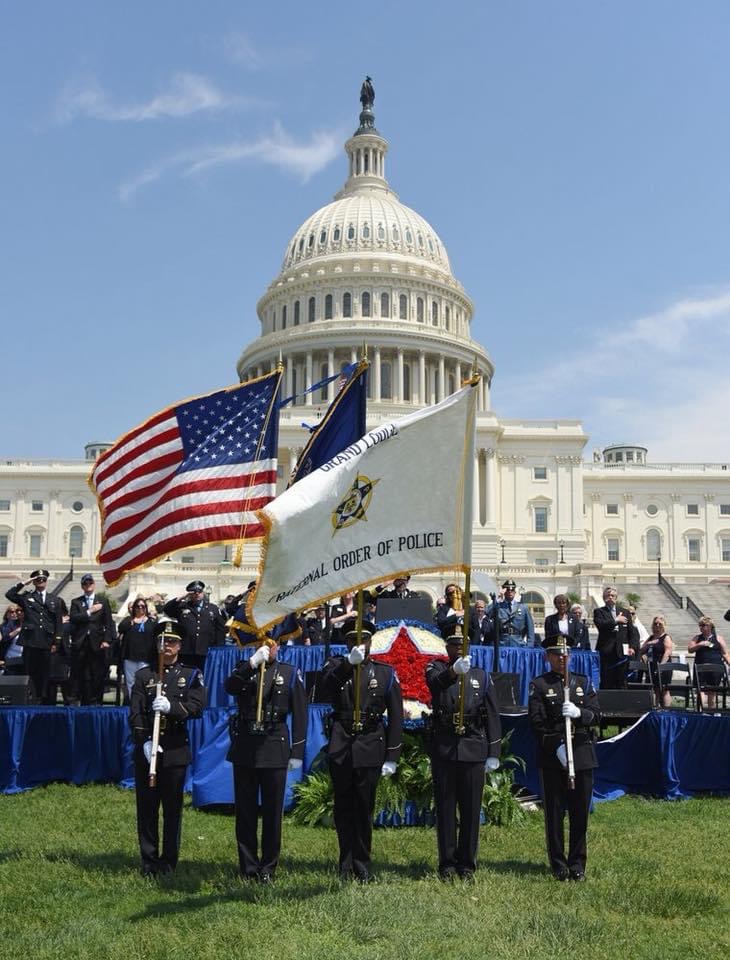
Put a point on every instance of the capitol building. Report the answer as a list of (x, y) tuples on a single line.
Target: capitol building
[(549, 511)]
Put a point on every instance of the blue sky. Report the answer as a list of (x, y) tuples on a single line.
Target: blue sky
[(573, 156)]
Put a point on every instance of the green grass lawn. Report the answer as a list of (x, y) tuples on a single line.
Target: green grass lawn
[(69, 887)]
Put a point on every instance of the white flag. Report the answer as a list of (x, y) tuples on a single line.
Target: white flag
[(399, 500)]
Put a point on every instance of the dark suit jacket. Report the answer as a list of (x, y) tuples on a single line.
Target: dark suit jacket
[(90, 630), (316, 633), (552, 630), (42, 623), (612, 636), (483, 633)]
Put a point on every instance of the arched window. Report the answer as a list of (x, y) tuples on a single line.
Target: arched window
[(328, 307), (273, 320), (323, 237), (403, 307), (447, 317), (419, 309), (346, 304), (310, 310), (381, 232), (409, 235), (407, 382), (434, 313), (301, 244), (76, 541), (336, 234), (310, 242), (386, 380), (283, 317), (452, 383), (535, 604), (420, 241), (296, 313), (351, 232), (365, 304), (396, 234), (323, 374), (384, 305), (653, 544), (366, 231)]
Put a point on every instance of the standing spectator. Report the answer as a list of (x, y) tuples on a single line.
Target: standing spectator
[(318, 627), (657, 649), (92, 636), (481, 627), (262, 756), (182, 698), (451, 610), (562, 623), (361, 749), (459, 758), (137, 640), (11, 650), (399, 590), (708, 647), (341, 612), (617, 640), (202, 625), (42, 629), (582, 637)]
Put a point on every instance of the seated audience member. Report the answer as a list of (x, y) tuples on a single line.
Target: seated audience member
[(11, 649), (708, 647), (655, 650), (582, 637)]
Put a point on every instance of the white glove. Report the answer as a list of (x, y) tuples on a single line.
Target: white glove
[(356, 655), (562, 755), (261, 656), (388, 768), (462, 665), (571, 710), (147, 749), (295, 764), (492, 764), (161, 704)]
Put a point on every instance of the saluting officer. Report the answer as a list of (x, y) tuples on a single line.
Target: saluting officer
[(361, 749), (516, 628), (460, 757), (182, 698), (201, 623), (42, 630), (262, 754), (547, 711)]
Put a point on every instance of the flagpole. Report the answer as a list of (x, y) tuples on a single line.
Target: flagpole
[(238, 555), (356, 720)]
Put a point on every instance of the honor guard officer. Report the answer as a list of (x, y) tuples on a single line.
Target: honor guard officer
[(460, 753), (361, 748), (182, 698), (42, 629), (516, 628), (548, 710), (201, 623), (262, 751)]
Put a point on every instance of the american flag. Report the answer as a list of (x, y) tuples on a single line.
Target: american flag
[(192, 475)]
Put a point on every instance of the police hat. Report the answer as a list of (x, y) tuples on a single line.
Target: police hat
[(195, 586), (453, 632), (168, 629), (509, 584), (40, 575), (87, 578), (349, 629), (556, 646)]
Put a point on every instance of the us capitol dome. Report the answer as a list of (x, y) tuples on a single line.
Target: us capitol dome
[(366, 270)]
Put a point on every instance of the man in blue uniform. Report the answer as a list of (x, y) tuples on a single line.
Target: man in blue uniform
[(42, 630), (202, 625), (516, 628)]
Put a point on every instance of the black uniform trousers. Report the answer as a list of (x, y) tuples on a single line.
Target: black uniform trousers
[(457, 784), (91, 668), (557, 798), (246, 784), (169, 794), (614, 671), (355, 789), (37, 662)]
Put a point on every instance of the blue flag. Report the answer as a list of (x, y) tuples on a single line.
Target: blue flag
[(343, 424)]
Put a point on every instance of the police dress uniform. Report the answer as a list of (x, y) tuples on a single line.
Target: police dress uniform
[(260, 759), (356, 758), (201, 625), (183, 687), (457, 760), (548, 724), (516, 627), (41, 634)]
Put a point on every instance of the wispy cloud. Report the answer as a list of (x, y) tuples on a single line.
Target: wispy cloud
[(300, 158), (240, 49), (668, 329), (186, 94)]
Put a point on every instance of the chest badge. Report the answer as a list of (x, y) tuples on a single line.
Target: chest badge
[(579, 691), (279, 680), (181, 681), (475, 684), (551, 693), (373, 685)]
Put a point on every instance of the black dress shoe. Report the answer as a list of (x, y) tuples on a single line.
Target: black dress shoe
[(148, 870), (467, 876), (561, 873), (266, 877), (577, 875), (447, 874)]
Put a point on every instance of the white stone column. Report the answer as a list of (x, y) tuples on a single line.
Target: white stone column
[(376, 375), (422, 377), (288, 375), (353, 355), (489, 457), (442, 372), (476, 502), (457, 375), (399, 395), (308, 378), (331, 373)]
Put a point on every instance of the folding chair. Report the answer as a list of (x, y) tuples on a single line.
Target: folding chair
[(637, 677), (711, 678), (665, 677)]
